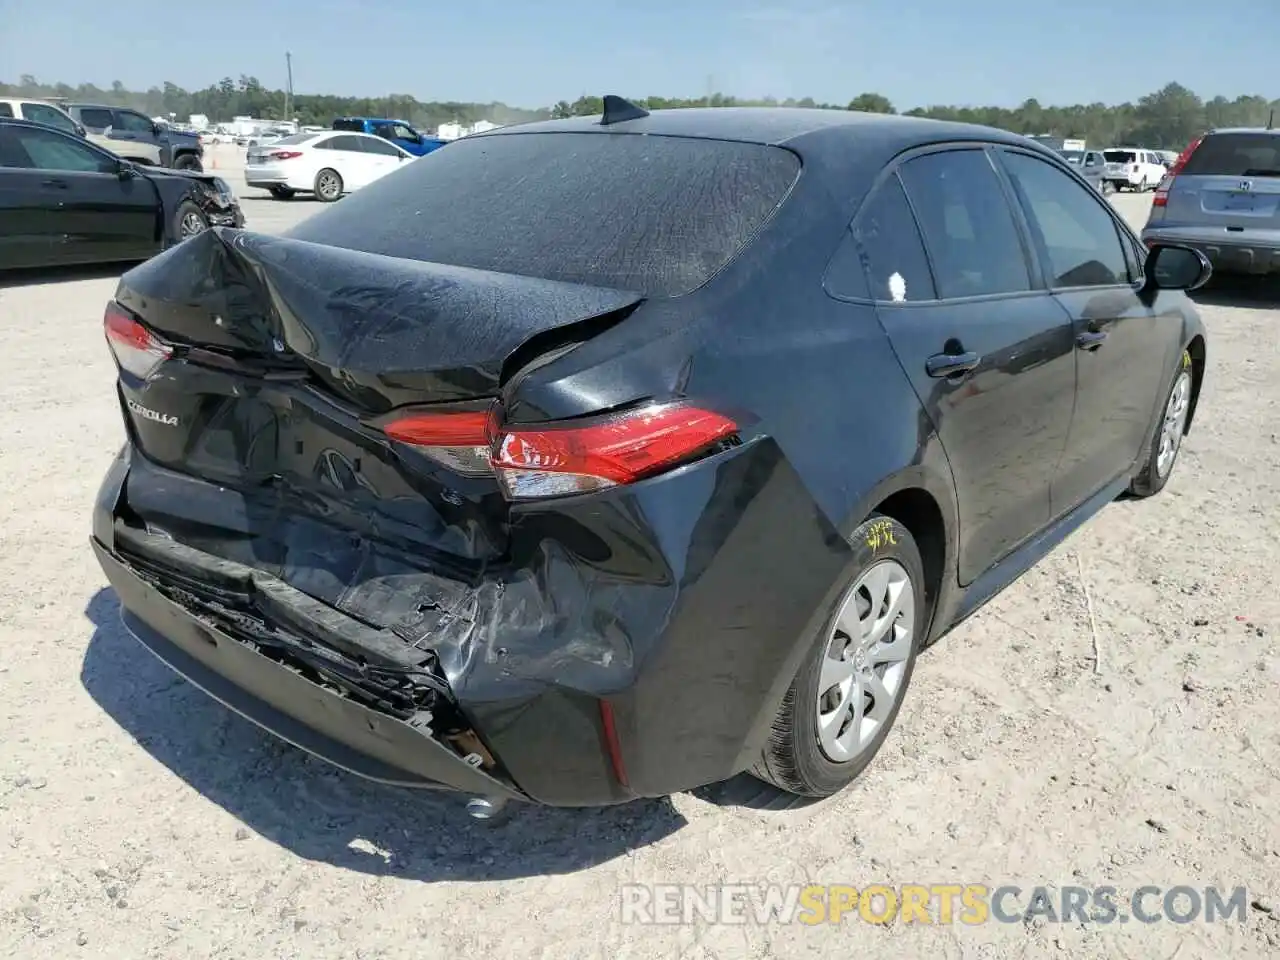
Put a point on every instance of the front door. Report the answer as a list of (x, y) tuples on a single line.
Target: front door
[(98, 215), (134, 136), (988, 352), (1125, 350)]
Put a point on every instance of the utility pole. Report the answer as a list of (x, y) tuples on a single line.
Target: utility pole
[(288, 92)]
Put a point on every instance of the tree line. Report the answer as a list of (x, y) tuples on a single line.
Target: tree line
[(1165, 119)]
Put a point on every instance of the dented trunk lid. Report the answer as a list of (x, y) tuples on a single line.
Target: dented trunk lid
[(287, 351)]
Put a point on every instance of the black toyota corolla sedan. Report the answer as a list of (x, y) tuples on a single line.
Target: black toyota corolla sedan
[(602, 458), (65, 201)]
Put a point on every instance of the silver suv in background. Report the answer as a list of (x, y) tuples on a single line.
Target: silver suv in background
[(1222, 196), (39, 111)]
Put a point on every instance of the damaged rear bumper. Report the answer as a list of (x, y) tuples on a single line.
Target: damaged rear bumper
[(345, 733), (683, 605)]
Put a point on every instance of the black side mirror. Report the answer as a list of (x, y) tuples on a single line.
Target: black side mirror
[(1171, 267), (125, 170)]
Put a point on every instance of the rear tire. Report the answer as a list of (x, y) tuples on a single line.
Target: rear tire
[(282, 193), (1166, 441), (831, 723), (328, 186)]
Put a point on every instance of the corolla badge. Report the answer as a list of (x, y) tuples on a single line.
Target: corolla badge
[(155, 416)]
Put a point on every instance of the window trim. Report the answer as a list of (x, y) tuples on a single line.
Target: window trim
[(1123, 233)]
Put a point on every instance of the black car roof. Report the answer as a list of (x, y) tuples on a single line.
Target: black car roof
[(805, 130)]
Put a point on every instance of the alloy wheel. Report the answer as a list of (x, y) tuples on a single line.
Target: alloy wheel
[(192, 223), (862, 674), (1174, 424)]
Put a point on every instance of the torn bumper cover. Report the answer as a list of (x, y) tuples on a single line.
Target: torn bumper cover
[(685, 603)]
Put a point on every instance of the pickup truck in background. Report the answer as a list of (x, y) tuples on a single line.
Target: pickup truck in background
[(396, 131), (135, 136)]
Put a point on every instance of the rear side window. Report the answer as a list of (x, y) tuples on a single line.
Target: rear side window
[(654, 214), (1236, 155), (967, 224), (892, 252), (347, 144), (1075, 234), (379, 147), (6, 110)]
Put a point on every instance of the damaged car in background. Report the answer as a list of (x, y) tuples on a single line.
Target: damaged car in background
[(604, 458), (65, 201)]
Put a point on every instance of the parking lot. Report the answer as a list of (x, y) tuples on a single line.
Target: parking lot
[(1113, 718)]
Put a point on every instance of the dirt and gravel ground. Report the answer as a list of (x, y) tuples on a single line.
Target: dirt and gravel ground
[(140, 819)]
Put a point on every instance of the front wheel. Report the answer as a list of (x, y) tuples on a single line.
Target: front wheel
[(328, 185), (188, 220), (843, 702), (1166, 444), (282, 193), (188, 161)]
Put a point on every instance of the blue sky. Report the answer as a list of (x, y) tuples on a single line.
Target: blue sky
[(915, 52)]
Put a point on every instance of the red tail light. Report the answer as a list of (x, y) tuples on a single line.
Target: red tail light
[(1161, 198), (136, 348), (284, 154), (461, 440), (558, 459)]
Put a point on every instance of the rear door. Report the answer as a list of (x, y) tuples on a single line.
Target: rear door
[(382, 157), (987, 349), (1230, 182), (99, 216), (31, 219), (348, 156), (1124, 348)]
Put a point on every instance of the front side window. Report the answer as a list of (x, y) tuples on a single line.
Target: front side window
[(1077, 237), (967, 224), (51, 116), (134, 122), (35, 149)]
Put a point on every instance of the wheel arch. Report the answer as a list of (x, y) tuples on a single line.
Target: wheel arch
[(1196, 348), (924, 503)]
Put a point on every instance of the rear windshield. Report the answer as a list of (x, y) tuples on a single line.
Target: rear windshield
[(656, 215), (1120, 156), (295, 138), (1073, 156), (1236, 155), (357, 125)]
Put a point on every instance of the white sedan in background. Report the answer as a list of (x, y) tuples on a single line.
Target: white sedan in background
[(327, 164)]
